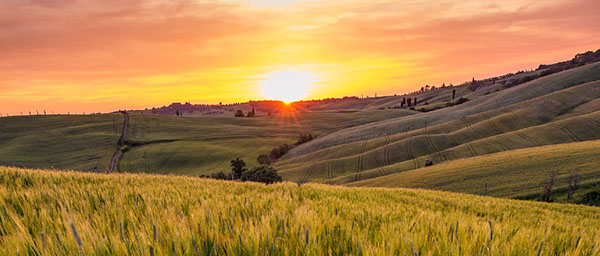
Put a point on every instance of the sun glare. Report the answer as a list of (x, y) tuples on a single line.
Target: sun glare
[(286, 85)]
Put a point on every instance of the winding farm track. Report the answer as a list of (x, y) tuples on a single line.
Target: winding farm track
[(114, 162)]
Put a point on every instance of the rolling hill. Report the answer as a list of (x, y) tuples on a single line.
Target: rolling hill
[(361, 141), (554, 109)]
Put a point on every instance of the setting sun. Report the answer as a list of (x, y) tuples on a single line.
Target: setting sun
[(286, 85)]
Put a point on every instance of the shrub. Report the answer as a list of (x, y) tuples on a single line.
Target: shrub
[(275, 154), (283, 149), (428, 163), (460, 100), (591, 198), (264, 174), (263, 159), (220, 176), (239, 113)]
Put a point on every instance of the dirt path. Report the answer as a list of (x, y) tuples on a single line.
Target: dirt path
[(114, 162)]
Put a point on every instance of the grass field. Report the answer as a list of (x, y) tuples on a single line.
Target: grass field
[(165, 144), (67, 213), (515, 173), (204, 145), (82, 142)]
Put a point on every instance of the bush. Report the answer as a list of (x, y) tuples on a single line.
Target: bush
[(264, 174), (460, 100), (428, 163), (591, 198), (220, 176), (239, 113), (263, 159), (283, 149), (303, 138), (275, 154)]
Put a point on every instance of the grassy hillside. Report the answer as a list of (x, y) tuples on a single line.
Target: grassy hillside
[(559, 108), (530, 90), (66, 213), (162, 144), (82, 142), (204, 145), (515, 173)]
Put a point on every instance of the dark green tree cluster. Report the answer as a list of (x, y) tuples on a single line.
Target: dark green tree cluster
[(264, 174), (278, 152)]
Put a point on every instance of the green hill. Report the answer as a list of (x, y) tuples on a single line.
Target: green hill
[(555, 109), (162, 144), (65, 213), (517, 173), (81, 142)]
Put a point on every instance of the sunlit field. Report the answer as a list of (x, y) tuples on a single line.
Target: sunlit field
[(67, 213)]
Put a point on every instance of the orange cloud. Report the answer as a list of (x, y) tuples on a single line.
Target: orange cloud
[(68, 55)]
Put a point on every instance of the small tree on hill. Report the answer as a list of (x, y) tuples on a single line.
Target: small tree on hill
[(573, 180), (409, 102), (275, 154), (403, 102), (453, 93), (547, 192), (237, 168), (251, 113), (263, 159), (415, 101), (239, 113), (283, 149)]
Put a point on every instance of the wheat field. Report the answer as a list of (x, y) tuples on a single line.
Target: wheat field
[(66, 213)]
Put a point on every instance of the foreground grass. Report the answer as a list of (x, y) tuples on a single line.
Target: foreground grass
[(66, 213)]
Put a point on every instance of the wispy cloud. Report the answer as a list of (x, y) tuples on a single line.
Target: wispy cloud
[(150, 52)]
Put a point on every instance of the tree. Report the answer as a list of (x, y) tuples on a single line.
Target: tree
[(547, 192), (251, 113), (237, 168), (453, 93), (408, 102), (428, 163), (239, 113), (275, 154), (264, 174), (263, 159), (572, 179), (283, 149), (403, 102), (415, 101), (177, 112)]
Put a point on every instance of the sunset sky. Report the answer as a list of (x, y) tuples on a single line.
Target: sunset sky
[(80, 55)]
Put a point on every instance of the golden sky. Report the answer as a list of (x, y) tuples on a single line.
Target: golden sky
[(83, 55)]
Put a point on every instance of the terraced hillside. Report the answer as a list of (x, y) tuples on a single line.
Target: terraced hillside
[(554, 109), (46, 212)]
